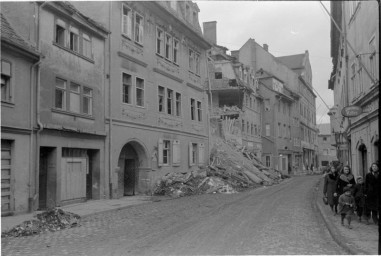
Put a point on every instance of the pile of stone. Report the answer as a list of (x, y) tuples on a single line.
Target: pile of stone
[(50, 220), (233, 168)]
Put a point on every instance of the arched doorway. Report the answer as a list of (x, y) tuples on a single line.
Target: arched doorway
[(363, 159), (132, 160)]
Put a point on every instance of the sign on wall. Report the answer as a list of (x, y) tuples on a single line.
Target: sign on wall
[(351, 111), (277, 86)]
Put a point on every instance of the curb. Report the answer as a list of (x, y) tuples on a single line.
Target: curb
[(337, 237)]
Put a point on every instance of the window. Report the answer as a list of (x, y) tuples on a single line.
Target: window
[(166, 151), (193, 109), (86, 46), (159, 41), (139, 92), (279, 130), (87, 100), (138, 28), (191, 60), (218, 75), (168, 47), (178, 104), (176, 153), (175, 51), (60, 95), (353, 76), (127, 87), (267, 129), (199, 111), (248, 128), (268, 161), (194, 153), (6, 93), (74, 98), (74, 39), (373, 58), (161, 96), (284, 131), (197, 63), (252, 129), (243, 126), (169, 102), (127, 21), (255, 130), (60, 32)]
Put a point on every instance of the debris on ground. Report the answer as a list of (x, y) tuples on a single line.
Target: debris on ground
[(233, 168), (50, 220)]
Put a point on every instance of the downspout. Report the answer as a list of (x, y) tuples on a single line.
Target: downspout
[(31, 165), (211, 103), (109, 106), (39, 124)]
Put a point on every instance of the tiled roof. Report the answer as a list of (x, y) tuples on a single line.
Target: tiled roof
[(324, 129), (292, 61), (9, 35)]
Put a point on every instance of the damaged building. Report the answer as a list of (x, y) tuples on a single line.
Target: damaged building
[(235, 105)]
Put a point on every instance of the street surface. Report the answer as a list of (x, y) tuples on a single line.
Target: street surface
[(279, 219)]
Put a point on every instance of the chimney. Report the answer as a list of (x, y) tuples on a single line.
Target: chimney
[(235, 54), (266, 47), (210, 31)]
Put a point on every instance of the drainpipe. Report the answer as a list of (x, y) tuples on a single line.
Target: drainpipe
[(211, 102), (109, 106), (39, 124), (31, 165)]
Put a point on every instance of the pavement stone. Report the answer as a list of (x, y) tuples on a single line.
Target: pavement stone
[(361, 239)]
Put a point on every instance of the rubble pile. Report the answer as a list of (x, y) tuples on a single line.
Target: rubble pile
[(232, 169), (51, 220)]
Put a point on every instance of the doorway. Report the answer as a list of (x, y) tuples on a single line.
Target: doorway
[(363, 160), (129, 177), (47, 170)]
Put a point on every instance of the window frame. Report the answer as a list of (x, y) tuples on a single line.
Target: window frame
[(142, 90), (74, 31), (8, 82), (160, 49), (140, 28), (163, 99), (199, 111), (169, 102), (168, 46), (193, 109), (178, 103), (130, 91), (176, 50), (129, 33)]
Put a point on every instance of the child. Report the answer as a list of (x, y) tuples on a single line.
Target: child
[(358, 192), (346, 205)]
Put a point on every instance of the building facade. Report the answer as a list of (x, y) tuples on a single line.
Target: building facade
[(327, 152), (19, 58), (156, 113), (278, 85), (300, 64), (355, 81)]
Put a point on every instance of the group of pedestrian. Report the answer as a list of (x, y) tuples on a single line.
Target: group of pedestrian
[(347, 195)]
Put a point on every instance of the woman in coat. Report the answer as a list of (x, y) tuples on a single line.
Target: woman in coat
[(346, 179), (330, 188), (371, 192)]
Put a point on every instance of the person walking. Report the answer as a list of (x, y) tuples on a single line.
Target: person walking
[(346, 205), (371, 193), (359, 195), (330, 188), (345, 179)]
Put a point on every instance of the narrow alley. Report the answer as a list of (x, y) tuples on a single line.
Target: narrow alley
[(218, 224)]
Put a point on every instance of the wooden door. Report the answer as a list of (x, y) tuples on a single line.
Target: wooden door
[(6, 178), (129, 177), (73, 178)]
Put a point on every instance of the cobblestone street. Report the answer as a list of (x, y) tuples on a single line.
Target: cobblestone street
[(244, 223)]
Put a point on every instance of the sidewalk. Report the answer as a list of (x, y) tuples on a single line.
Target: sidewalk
[(85, 209), (362, 239)]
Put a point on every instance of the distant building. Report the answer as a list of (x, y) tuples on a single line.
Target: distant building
[(19, 59), (355, 82), (327, 152), (278, 85)]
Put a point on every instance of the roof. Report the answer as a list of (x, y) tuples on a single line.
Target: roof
[(324, 129), (9, 35), (292, 61)]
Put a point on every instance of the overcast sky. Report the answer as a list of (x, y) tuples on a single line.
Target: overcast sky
[(288, 27)]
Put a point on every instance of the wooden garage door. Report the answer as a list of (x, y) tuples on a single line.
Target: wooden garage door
[(73, 178), (6, 180)]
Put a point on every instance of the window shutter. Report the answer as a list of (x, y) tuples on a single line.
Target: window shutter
[(190, 154), (201, 153), (160, 153), (176, 152)]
